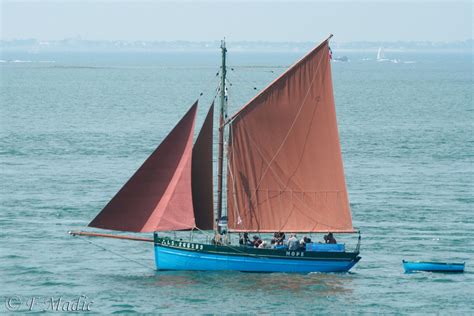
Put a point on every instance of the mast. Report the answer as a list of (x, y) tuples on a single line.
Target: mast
[(222, 115)]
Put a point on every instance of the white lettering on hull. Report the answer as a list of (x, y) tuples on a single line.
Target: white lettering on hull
[(181, 244)]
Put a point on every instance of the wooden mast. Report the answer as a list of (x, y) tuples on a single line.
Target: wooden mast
[(222, 115)]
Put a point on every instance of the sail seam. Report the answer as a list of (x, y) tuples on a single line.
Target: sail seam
[(292, 124), (269, 164), (170, 192), (234, 190), (154, 221)]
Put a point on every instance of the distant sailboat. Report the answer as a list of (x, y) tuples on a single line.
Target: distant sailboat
[(284, 174), (381, 55)]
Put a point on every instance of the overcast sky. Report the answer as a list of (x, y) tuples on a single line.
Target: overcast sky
[(238, 20)]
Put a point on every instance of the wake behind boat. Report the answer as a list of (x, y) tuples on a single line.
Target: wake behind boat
[(284, 174)]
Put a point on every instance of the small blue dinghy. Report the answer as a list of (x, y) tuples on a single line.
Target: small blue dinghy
[(411, 266)]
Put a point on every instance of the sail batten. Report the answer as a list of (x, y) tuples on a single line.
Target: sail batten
[(285, 163), (158, 196)]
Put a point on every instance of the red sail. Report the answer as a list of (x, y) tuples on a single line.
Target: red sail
[(158, 196), (202, 175), (285, 166)]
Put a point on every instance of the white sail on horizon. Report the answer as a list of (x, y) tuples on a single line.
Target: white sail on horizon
[(380, 54)]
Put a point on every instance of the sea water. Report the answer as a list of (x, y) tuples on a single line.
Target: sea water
[(75, 126)]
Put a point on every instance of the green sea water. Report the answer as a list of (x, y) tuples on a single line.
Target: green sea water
[(75, 126)]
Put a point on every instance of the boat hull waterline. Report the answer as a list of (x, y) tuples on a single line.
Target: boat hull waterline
[(178, 255), (433, 267)]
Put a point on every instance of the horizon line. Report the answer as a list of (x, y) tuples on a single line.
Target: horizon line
[(79, 38)]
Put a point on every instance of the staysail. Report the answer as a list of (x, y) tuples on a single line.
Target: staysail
[(285, 170), (202, 184), (158, 196)]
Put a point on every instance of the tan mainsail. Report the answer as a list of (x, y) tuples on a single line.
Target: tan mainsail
[(158, 196), (285, 170), (202, 184)]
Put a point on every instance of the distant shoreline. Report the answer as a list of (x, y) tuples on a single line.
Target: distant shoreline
[(80, 45)]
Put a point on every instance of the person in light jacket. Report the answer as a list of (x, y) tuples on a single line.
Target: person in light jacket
[(293, 242)]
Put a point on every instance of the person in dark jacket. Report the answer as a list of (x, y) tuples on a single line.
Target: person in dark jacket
[(329, 239), (244, 239)]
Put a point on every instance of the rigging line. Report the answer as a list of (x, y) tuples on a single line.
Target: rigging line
[(261, 66), (281, 145), (227, 95), (292, 124), (278, 178), (216, 90), (268, 163), (279, 77), (202, 231), (297, 198), (116, 253), (218, 85), (288, 133), (241, 79), (230, 247)]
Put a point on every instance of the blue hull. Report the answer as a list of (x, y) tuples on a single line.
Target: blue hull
[(177, 259), (433, 266)]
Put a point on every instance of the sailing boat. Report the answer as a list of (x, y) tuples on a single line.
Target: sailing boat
[(284, 174), (381, 55)]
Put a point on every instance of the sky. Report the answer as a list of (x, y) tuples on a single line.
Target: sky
[(281, 21)]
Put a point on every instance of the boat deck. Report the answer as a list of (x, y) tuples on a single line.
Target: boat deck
[(238, 250)]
